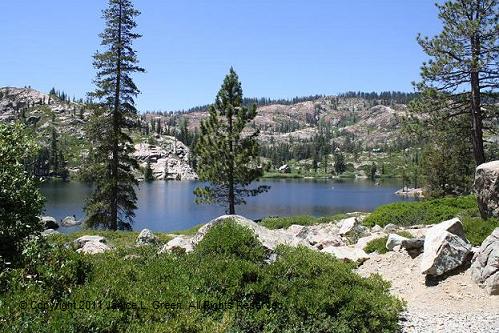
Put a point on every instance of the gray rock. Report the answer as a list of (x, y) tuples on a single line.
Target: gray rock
[(182, 243), (70, 221), (49, 222), (50, 232), (412, 244), (321, 235), (347, 254), (390, 228), (487, 188), (146, 237), (376, 228), (93, 248), (394, 240), (80, 242), (445, 248), (485, 266)]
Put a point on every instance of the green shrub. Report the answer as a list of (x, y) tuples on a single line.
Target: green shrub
[(377, 245), (420, 212), (20, 199), (477, 229), (218, 291), (231, 239), (436, 211)]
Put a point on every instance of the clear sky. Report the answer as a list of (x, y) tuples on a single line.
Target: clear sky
[(280, 48)]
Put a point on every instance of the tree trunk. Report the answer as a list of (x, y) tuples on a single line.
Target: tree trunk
[(476, 110), (115, 152), (231, 198)]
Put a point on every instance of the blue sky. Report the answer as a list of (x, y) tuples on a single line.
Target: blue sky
[(280, 48)]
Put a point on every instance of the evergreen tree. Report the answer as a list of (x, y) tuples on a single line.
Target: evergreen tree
[(148, 176), (339, 163), (373, 171), (113, 201), (464, 64), (227, 158)]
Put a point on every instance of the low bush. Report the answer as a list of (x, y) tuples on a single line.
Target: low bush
[(209, 290), (377, 245), (230, 239), (420, 212), (435, 211)]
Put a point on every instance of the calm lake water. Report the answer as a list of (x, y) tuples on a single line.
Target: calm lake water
[(169, 206)]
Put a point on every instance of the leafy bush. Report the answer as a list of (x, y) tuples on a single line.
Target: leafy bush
[(377, 245), (209, 290), (231, 239), (436, 211), (420, 212), (477, 229), (20, 199)]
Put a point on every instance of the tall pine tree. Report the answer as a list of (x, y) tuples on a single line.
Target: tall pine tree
[(464, 64), (113, 201), (227, 157)]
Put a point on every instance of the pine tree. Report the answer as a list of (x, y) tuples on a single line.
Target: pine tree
[(113, 201), (227, 157), (339, 163), (148, 176), (464, 64)]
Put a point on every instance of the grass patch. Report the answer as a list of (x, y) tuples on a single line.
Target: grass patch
[(223, 286), (287, 221), (435, 211)]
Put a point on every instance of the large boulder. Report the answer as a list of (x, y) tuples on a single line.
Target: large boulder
[(179, 243), (485, 266), (445, 248), (487, 188), (93, 248), (80, 242), (49, 222), (91, 245), (269, 239), (70, 221), (146, 237)]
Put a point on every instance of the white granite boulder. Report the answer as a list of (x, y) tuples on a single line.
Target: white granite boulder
[(485, 266), (445, 248), (393, 241), (146, 237), (91, 245), (487, 188)]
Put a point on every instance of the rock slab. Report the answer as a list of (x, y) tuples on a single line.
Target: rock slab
[(445, 248), (485, 266), (487, 188)]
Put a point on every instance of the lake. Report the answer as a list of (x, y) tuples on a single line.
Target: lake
[(169, 206)]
